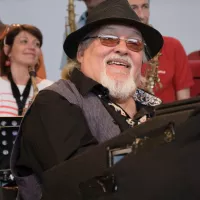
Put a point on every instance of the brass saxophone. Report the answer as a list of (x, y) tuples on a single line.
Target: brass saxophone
[(70, 27), (151, 74), (32, 74), (71, 16)]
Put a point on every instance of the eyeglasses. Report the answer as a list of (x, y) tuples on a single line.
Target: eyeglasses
[(132, 44)]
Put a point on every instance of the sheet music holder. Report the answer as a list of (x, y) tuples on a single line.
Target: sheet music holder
[(171, 114), (9, 127), (87, 167), (178, 111)]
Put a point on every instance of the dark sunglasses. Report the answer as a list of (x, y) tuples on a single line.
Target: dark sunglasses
[(132, 44)]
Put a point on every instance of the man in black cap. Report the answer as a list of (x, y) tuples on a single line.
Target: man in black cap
[(98, 101)]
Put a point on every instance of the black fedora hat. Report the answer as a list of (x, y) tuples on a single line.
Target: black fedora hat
[(114, 12)]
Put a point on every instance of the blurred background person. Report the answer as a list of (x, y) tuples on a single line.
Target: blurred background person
[(20, 49), (89, 4), (173, 69)]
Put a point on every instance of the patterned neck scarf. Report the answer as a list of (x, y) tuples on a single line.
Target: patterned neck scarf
[(140, 97)]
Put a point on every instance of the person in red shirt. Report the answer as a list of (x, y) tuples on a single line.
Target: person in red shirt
[(173, 70)]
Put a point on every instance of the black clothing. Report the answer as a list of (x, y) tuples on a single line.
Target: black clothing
[(21, 102), (53, 126), (163, 164)]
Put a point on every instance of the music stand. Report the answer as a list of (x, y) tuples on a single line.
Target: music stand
[(178, 111), (9, 127)]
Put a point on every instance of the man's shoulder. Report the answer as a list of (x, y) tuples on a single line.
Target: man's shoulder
[(61, 86), (44, 83), (172, 46), (168, 40), (60, 90), (51, 93), (47, 96)]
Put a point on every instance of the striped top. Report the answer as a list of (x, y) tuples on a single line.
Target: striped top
[(8, 105)]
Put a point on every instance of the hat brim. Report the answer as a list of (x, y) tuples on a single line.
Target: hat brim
[(151, 36)]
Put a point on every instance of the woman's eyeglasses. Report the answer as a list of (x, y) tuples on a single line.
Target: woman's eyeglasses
[(135, 45)]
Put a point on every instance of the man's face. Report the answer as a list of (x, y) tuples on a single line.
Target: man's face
[(92, 3), (118, 68), (141, 7)]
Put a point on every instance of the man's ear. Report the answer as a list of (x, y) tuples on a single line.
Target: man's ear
[(79, 55), (6, 50)]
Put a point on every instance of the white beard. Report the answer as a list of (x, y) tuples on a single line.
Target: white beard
[(118, 89)]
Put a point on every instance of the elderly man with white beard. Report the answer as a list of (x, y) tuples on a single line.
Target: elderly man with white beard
[(100, 97)]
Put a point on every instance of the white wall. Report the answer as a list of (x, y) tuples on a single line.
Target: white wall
[(178, 18)]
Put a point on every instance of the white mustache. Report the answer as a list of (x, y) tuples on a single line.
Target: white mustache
[(117, 56)]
